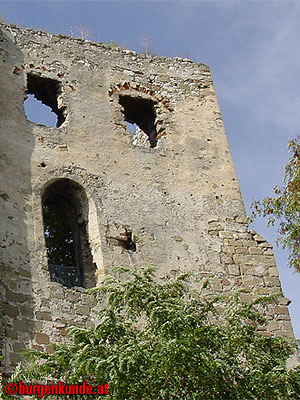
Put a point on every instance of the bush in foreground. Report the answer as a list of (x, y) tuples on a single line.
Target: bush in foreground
[(163, 341)]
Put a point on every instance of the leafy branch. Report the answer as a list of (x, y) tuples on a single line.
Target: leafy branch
[(285, 206)]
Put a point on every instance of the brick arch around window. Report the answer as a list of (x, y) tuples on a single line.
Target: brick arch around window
[(147, 111)]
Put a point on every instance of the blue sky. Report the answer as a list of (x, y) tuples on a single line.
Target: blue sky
[(253, 50)]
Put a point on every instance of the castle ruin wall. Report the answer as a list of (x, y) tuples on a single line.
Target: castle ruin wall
[(171, 183)]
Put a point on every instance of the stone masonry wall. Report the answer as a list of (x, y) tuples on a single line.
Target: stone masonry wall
[(178, 194)]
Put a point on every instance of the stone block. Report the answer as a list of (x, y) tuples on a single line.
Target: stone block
[(246, 297), (38, 325), (89, 300), (285, 325), (225, 282), (15, 358), (226, 235), (26, 312), (272, 326), (253, 259), (246, 243), (82, 310), (273, 271), (246, 270), (260, 271), (256, 250), (268, 252), (281, 310), (89, 324), (11, 311), (228, 249), (275, 290), (287, 333), (41, 338), (18, 347), (259, 238), (49, 349), (43, 315), (74, 297), (214, 226), (249, 281), (265, 245), (57, 293), (20, 325), (269, 261), (284, 301), (272, 281), (241, 250), (261, 291), (11, 333), (226, 258), (234, 269)]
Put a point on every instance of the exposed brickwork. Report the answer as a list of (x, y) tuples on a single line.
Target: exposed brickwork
[(179, 198)]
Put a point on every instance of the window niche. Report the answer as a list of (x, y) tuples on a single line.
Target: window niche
[(140, 113), (42, 101), (65, 210)]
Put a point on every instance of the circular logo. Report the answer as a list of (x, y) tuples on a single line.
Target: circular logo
[(10, 388)]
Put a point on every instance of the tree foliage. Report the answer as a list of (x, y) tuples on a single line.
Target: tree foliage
[(59, 236), (285, 206), (163, 341)]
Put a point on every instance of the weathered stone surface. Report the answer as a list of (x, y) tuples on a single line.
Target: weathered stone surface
[(273, 271), (43, 315), (168, 197), (82, 310), (42, 338), (10, 311), (10, 333), (234, 270), (255, 250)]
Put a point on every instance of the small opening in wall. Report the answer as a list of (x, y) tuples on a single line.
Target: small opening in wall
[(130, 127), (41, 105), (38, 112), (128, 242), (125, 240), (140, 117)]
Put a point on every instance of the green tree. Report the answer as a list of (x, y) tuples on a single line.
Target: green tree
[(164, 341), (59, 236), (285, 206)]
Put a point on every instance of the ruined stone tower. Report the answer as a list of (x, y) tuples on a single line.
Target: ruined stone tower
[(164, 193)]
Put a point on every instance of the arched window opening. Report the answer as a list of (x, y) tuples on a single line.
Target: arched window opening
[(41, 104), (140, 112), (65, 210)]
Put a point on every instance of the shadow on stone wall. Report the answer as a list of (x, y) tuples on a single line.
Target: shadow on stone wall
[(16, 147)]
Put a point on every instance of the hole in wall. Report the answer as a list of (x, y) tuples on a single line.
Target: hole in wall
[(64, 207), (131, 127), (38, 112), (41, 105), (125, 240), (140, 118)]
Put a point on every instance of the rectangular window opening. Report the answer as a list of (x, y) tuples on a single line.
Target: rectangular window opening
[(140, 112)]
